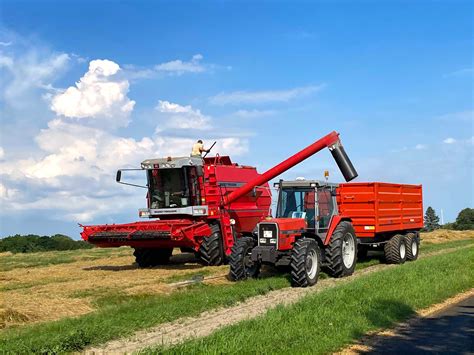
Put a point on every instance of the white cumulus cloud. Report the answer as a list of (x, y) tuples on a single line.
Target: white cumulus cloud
[(182, 117), (449, 140), (99, 93), (180, 67), (260, 97)]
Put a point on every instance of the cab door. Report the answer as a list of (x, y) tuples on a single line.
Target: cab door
[(324, 208)]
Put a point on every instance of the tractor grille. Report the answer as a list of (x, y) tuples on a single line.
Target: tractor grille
[(268, 234)]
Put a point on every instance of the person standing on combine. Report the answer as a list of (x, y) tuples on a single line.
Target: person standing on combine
[(198, 148)]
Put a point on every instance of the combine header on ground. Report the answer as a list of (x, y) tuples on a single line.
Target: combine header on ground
[(203, 205)]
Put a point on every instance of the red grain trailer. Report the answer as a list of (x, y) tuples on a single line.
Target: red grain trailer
[(320, 224)]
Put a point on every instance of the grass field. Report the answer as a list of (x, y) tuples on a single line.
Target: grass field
[(67, 300), (325, 322)]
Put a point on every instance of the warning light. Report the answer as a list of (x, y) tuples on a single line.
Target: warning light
[(326, 174)]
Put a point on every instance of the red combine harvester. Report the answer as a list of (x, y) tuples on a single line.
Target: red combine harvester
[(202, 205), (320, 224)]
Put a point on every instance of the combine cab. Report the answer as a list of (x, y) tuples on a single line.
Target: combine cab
[(202, 204)]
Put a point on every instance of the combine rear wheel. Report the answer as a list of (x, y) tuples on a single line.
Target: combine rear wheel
[(305, 263), (412, 243), (395, 250), (147, 257), (211, 251), (241, 265), (341, 251)]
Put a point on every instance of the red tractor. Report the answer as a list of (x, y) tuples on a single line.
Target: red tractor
[(203, 205), (320, 224)]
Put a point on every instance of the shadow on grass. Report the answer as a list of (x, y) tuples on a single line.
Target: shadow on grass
[(448, 332), (183, 261)]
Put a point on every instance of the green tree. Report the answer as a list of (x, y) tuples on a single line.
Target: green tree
[(465, 219), (431, 220)]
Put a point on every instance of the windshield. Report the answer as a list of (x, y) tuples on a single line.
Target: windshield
[(301, 203), (172, 188), (296, 203)]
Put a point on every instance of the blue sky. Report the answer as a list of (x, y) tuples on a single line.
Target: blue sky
[(88, 87)]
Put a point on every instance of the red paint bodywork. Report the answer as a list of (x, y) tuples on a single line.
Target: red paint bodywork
[(246, 203), (373, 208), (220, 178)]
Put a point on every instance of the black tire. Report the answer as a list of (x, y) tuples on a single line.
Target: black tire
[(336, 267), (305, 263), (148, 257), (241, 266), (211, 251), (412, 243), (395, 250)]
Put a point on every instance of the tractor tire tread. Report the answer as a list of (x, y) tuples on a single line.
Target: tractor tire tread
[(335, 265), (210, 251)]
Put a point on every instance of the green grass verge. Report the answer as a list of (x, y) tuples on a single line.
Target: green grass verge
[(325, 322), (120, 315), (31, 260)]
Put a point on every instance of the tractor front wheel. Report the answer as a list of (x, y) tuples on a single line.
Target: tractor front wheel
[(395, 250), (341, 251), (241, 265), (211, 251), (305, 263)]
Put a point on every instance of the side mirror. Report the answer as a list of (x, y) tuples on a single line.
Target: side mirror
[(118, 176)]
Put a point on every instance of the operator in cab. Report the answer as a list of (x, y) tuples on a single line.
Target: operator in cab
[(198, 148)]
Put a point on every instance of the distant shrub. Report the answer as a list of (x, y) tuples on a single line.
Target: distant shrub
[(32, 243), (465, 219)]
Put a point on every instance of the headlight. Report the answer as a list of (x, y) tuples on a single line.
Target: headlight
[(199, 211), (144, 214)]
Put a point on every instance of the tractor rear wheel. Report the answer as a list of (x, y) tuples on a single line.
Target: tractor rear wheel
[(211, 251), (395, 250), (341, 251), (305, 263), (241, 265), (412, 243), (147, 257)]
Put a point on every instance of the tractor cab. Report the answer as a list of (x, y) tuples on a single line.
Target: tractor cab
[(311, 200)]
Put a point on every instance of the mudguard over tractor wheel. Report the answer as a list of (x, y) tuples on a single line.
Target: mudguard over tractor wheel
[(412, 243), (341, 251), (395, 250), (147, 257), (305, 263), (211, 251), (241, 266)]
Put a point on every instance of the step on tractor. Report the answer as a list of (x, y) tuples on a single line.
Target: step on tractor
[(325, 225), (203, 205)]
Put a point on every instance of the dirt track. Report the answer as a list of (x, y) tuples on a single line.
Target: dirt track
[(186, 328)]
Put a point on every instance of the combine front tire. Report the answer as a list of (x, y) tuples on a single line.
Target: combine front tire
[(341, 251), (241, 266), (395, 250), (412, 243), (147, 257), (305, 263), (211, 250)]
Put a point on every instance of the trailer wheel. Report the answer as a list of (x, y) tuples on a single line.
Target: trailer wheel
[(342, 251), (412, 243), (211, 251), (147, 257), (241, 266), (395, 250), (305, 263)]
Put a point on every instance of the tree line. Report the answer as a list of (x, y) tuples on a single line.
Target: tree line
[(464, 220), (32, 243)]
